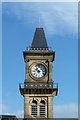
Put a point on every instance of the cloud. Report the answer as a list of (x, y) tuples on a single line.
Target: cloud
[(40, 0), (57, 18), (0, 109), (4, 109), (61, 19), (20, 114), (66, 111), (59, 111)]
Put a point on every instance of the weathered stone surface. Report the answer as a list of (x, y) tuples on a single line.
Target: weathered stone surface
[(44, 57)]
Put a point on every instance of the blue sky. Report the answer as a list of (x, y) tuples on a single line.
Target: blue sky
[(60, 21)]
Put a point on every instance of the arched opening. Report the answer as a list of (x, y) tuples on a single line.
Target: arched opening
[(42, 108), (34, 108)]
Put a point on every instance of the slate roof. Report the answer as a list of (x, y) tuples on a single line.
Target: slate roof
[(6, 117), (39, 40)]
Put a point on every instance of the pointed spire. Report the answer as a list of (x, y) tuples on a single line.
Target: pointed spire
[(39, 40)]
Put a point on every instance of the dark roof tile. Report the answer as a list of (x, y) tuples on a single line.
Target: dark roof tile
[(39, 40)]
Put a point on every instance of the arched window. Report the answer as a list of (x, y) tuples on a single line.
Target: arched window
[(34, 108), (42, 108)]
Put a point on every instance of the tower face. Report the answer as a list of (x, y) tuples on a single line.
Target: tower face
[(38, 89)]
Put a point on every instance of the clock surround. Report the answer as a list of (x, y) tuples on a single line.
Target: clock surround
[(38, 70)]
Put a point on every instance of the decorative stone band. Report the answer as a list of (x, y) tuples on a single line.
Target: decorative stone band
[(31, 89), (38, 48)]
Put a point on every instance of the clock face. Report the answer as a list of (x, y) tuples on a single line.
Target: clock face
[(38, 70)]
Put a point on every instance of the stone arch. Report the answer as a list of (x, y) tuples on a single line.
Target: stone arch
[(44, 99), (34, 102), (42, 102), (31, 99)]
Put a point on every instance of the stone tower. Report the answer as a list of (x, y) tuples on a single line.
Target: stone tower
[(39, 88)]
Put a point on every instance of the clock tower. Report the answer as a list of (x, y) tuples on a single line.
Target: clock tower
[(38, 88)]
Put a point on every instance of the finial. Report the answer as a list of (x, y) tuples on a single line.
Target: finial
[(39, 21)]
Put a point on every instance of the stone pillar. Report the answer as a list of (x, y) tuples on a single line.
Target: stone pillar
[(38, 112), (50, 107), (46, 111), (26, 106)]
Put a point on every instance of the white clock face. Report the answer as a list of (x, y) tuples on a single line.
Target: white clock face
[(38, 70)]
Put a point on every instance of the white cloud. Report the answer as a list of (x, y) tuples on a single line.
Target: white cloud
[(0, 109), (66, 111), (40, 0), (57, 18), (4, 109), (59, 111), (20, 114), (61, 19)]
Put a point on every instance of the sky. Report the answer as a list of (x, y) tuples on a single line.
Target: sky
[(40, 0), (60, 23)]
